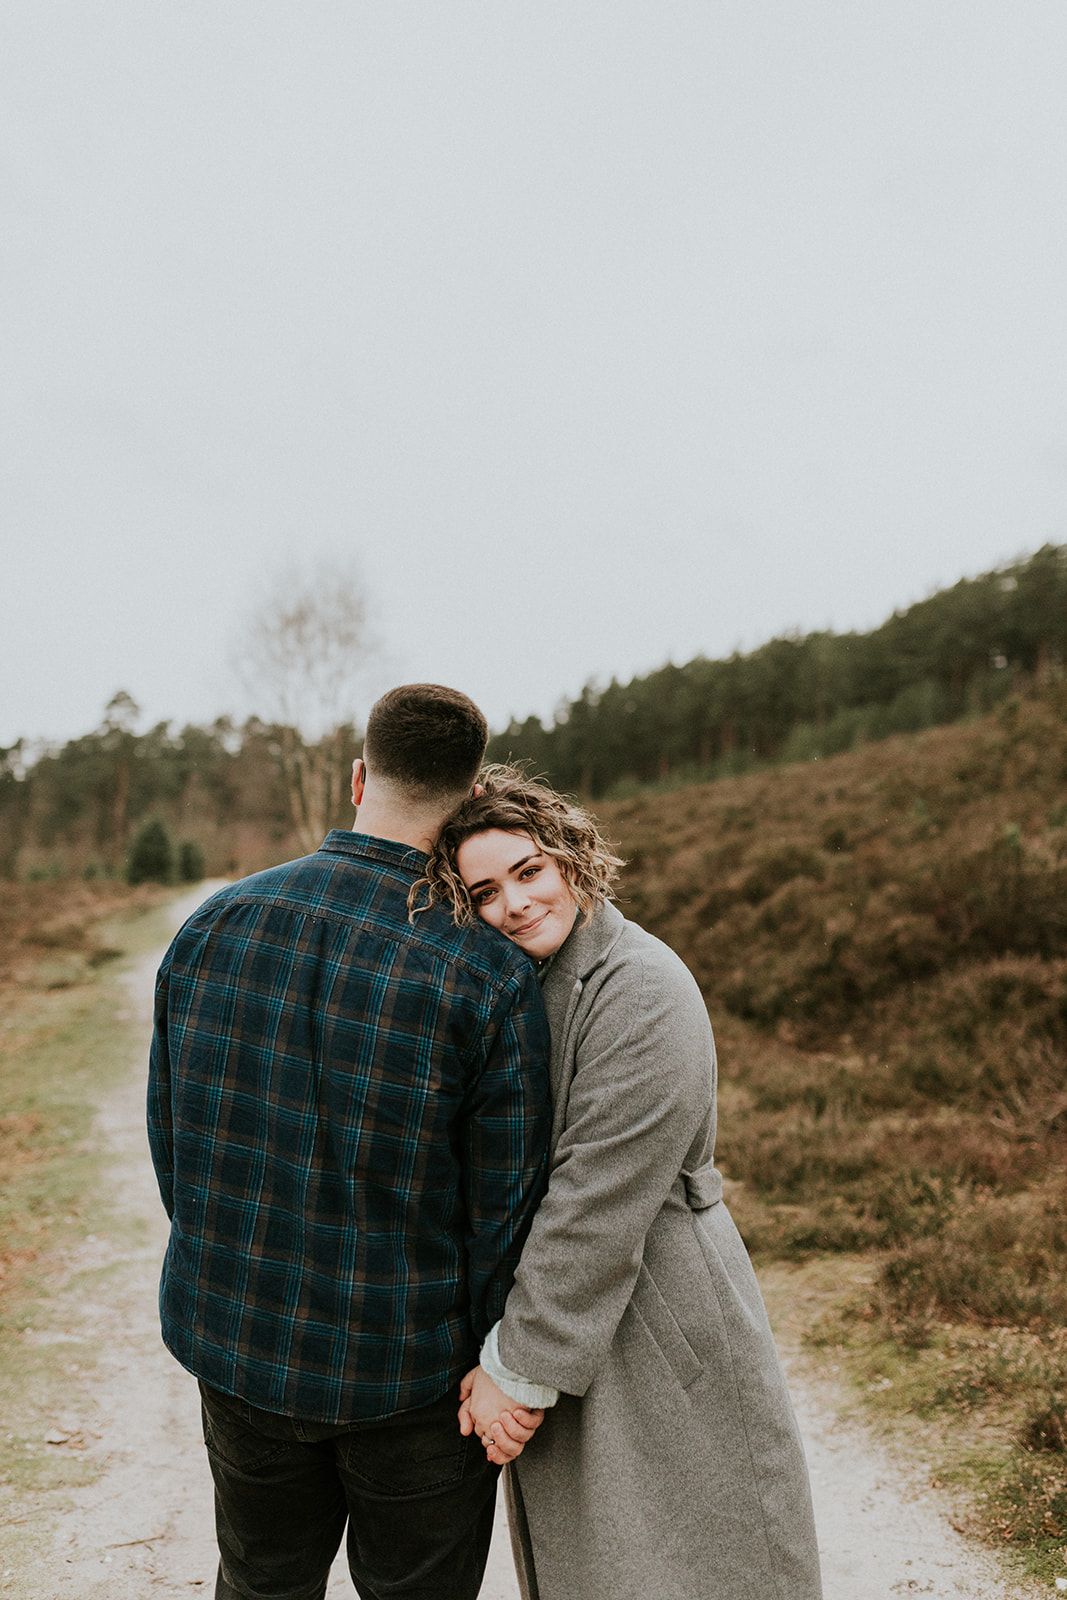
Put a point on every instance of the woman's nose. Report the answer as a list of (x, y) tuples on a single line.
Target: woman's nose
[(518, 901)]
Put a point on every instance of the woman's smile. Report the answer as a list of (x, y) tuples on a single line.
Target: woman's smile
[(516, 887)]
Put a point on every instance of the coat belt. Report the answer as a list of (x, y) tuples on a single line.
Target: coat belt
[(703, 1186)]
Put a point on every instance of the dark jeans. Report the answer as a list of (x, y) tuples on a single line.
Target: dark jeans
[(418, 1499)]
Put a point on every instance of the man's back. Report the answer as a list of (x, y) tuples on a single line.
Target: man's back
[(348, 1115)]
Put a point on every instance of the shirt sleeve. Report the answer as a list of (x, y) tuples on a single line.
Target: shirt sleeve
[(640, 1095), (507, 1126), (160, 1122)]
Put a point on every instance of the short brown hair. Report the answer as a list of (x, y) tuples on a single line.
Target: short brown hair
[(426, 740), (516, 803)]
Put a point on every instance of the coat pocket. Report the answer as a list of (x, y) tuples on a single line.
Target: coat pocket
[(662, 1325)]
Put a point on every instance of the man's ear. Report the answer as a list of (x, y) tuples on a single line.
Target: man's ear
[(359, 780)]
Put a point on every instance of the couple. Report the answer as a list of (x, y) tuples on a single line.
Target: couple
[(434, 1125)]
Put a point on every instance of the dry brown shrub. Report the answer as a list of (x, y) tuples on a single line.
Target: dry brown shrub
[(998, 1259), (1046, 1427), (54, 916)]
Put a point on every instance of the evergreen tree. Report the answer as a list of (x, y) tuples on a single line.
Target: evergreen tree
[(151, 858)]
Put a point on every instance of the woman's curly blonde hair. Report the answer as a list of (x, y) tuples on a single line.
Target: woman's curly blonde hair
[(516, 803)]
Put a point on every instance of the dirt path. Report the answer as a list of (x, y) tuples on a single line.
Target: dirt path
[(883, 1531), (144, 1528)]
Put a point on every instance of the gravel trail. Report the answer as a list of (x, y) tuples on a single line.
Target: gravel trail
[(144, 1527)]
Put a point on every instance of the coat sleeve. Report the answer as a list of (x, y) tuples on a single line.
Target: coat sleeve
[(641, 1091)]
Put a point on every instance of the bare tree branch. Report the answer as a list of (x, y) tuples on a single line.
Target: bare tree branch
[(304, 657)]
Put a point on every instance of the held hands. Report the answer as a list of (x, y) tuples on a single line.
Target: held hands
[(503, 1426)]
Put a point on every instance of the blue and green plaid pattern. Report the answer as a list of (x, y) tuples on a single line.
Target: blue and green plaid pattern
[(349, 1117)]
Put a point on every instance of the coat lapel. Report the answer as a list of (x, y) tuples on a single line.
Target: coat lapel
[(577, 959), (561, 1003)]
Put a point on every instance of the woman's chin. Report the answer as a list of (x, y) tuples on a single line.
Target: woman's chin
[(546, 939), (539, 946)]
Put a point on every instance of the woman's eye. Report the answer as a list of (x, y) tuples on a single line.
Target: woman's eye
[(529, 872), (482, 896)]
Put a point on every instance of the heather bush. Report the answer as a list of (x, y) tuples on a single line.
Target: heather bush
[(998, 1259), (802, 1153), (1008, 896), (1046, 1426), (770, 870)]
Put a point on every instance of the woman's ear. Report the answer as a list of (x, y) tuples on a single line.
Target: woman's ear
[(477, 789)]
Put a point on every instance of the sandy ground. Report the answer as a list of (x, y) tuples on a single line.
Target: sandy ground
[(144, 1528)]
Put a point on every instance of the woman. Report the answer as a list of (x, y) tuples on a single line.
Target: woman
[(671, 1466)]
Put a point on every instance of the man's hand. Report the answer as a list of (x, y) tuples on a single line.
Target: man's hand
[(503, 1426)]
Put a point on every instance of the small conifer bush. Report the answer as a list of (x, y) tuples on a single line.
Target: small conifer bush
[(151, 858), (190, 861)]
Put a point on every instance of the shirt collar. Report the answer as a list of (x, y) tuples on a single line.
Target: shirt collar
[(369, 847)]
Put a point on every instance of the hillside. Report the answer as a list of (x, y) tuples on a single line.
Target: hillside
[(882, 942)]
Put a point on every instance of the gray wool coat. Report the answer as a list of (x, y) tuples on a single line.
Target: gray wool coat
[(671, 1469)]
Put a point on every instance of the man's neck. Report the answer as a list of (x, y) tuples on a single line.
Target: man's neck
[(378, 822)]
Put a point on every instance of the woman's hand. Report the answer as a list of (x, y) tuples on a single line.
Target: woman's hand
[(503, 1426)]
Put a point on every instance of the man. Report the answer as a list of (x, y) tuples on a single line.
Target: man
[(348, 1113)]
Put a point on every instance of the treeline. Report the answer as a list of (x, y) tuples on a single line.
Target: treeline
[(219, 792), (800, 697), (239, 796)]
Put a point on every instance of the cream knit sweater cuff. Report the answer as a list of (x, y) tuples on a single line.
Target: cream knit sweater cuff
[(522, 1390)]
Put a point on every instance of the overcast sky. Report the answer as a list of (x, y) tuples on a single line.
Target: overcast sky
[(591, 334)]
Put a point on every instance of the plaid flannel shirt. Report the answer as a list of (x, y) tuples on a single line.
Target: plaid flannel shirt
[(348, 1115)]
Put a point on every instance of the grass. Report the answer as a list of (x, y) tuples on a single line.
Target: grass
[(882, 942), (987, 1404), (981, 1408), (65, 1040), (59, 1049)]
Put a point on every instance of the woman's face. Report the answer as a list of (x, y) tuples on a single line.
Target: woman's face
[(515, 887)]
